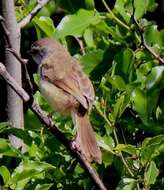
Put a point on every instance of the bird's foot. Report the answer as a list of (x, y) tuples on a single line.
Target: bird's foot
[(75, 145)]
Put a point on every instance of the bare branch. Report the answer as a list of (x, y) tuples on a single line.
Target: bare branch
[(29, 17), (11, 81), (48, 123)]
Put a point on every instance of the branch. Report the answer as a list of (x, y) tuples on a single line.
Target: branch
[(48, 123), (29, 17), (11, 33), (141, 31), (114, 17), (11, 81), (151, 50)]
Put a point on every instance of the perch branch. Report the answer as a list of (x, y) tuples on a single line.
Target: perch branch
[(11, 81), (48, 123), (29, 17)]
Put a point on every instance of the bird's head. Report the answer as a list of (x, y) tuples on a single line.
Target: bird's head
[(43, 48)]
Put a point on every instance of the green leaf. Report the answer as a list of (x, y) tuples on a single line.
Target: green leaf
[(107, 158), (143, 71), (124, 64), (91, 59), (156, 78), (44, 26), (139, 101), (106, 142), (90, 4), (43, 186), (4, 172), (125, 9), (117, 82), (29, 169), (132, 150), (152, 35), (74, 25), (151, 174), (6, 149), (152, 5), (3, 126), (19, 185), (88, 37), (119, 107), (151, 148), (126, 184), (20, 133), (140, 8)]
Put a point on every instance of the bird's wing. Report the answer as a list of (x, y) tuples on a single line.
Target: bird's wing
[(84, 83), (70, 86), (78, 84)]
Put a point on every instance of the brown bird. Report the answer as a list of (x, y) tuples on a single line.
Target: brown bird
[(68, 90)]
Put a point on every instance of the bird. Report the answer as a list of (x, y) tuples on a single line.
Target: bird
[(68, 90)]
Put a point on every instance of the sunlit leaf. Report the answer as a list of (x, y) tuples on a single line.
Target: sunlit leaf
[(155, 78), (4, 172), (43, 186), (6, 149), (44, 26), (126, 184), (140, 8), (151, 173), (126, 148), (29, 169), (73, 24), (151, 148), (91, 59)]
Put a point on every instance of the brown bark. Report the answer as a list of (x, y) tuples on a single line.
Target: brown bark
[(14, 103)]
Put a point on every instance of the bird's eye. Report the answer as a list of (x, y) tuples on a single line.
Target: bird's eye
[(35, 49)]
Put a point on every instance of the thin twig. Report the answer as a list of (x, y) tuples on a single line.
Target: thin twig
[(29, 17), (114, 17), (151, 51), (143, 42), (11, 81), (48, 123)]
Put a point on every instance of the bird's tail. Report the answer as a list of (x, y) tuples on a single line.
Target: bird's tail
[(86, 138)]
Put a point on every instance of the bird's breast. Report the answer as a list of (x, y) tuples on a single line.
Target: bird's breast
[(58, 99)]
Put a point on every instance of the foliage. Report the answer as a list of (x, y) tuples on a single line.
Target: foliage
[(128, 115)]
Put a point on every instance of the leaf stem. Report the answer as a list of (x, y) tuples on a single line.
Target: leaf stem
[(114, 17)]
